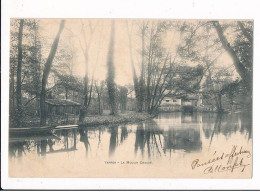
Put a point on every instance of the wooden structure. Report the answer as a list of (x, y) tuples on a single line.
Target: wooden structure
[(60, 107)]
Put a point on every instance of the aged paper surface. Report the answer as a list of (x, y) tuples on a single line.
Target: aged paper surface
[(133, 98)]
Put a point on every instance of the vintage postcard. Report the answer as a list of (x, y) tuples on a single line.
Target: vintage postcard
[(130, 98)]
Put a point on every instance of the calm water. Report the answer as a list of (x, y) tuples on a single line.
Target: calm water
[(168, 137)]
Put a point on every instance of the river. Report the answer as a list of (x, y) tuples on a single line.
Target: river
[(164, 146)]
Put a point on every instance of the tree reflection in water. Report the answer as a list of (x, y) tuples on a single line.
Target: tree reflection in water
[(16, 149), (155, 138), (148, 135), (83, 133), (139, 138), (227, 124), (113, 139), (124, 134), (157, 141)]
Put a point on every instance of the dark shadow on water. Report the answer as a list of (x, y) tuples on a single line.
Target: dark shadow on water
[(227, 124), (140, 138), (148, 139), (217, 127), (124, 134), (183, 139), (83, 133), (113, 139), (16, 149)]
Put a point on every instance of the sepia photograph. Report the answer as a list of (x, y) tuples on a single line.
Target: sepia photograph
[(130, 98)]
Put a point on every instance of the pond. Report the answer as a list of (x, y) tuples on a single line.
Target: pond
[(164, 146)]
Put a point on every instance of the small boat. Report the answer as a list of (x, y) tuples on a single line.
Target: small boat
[(32, 129), (36, 137), (46, 129), (66, 126), (62, 127)]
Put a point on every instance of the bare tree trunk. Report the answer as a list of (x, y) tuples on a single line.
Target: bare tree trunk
[(220, 110), (87, 93), (36, 65), (66, 93), (135, 79), (149, 67), (83, 110), (12, 95), (111, 74), (99, 93), (141, 83), (19, 73), (46, 72), (99, 105)]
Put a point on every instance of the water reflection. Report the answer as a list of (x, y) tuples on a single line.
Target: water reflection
[(187, 139), (113, 139), (124, 134), (140, 138), (16, 149), (152, 139), (83, 133)]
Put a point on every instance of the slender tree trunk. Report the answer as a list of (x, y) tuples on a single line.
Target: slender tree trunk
[(99, 91), (83, 110), (19, 73), (46, 72), (12, 95), (149, 67), (37, 59), (111, 87), (87, 93), (141, 83), (99, 105), (220, 102), (135, 79), (66, 93)]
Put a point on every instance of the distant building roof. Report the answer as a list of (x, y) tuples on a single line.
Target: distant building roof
[(184, 97), (191, 97), (173, 96), (57, 102)]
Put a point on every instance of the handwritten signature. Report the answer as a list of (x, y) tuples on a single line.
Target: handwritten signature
[(224, 161)]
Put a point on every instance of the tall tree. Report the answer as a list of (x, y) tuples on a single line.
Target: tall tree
[(240, 64), (28, 73), (46, 72), (142, 81), (36, 59), (202, 45), (99, 91), (123, 98), (19, 72), (159, 67), (111, 86), (87, 90), (135, 78)]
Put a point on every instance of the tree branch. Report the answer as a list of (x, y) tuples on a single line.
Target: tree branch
[(239, 66), (247, 35)]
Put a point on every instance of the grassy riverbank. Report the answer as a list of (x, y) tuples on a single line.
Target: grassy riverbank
[(90, 120), (128, 117)]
